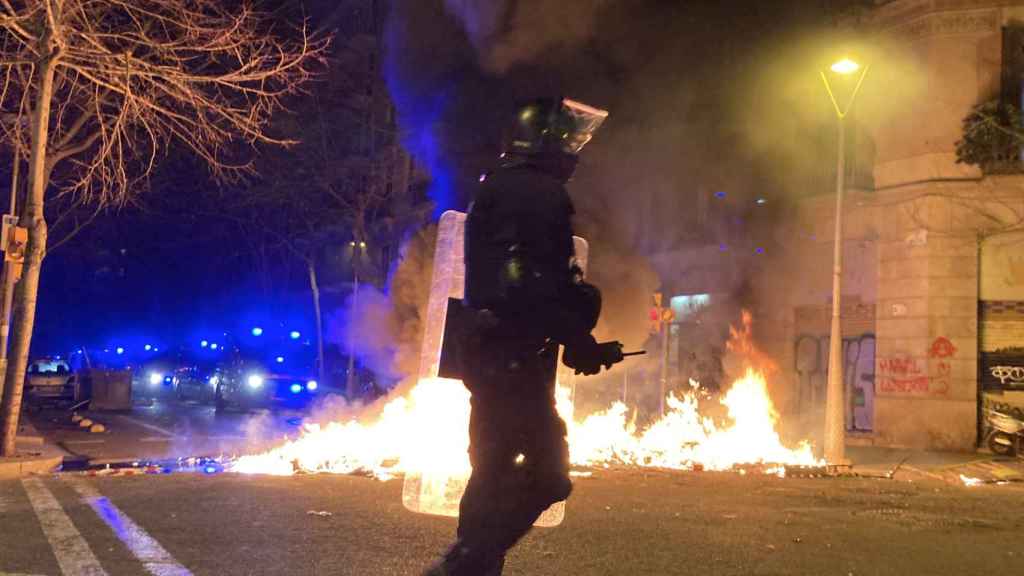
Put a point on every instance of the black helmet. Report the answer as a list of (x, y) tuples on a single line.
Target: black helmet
[(547, 126)]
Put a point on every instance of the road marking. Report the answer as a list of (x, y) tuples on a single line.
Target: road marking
[(82, 442), (147, 425), (154, 557), (156, 439), (19, 574), (73, 555)]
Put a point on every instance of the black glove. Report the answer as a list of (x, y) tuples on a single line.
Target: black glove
[(588, 357)]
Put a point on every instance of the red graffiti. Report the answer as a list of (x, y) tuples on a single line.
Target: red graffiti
[(900, 366), (918, 384), (942, 348)]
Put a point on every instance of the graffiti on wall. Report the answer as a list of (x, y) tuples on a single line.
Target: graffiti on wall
[(905, 374), (1002, 371), (1001, 345), (1011, 375), (858, 377), (902, 375)]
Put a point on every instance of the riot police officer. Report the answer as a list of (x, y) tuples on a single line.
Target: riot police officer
[(526, 296)]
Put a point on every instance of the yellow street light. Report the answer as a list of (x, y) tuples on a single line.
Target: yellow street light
[(835, 418), (845, 66)]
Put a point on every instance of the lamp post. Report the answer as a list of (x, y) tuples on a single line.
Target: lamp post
[(835, 425)]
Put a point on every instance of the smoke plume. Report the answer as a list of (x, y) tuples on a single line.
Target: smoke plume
[(509, 32), (384, 330), (699, 161)]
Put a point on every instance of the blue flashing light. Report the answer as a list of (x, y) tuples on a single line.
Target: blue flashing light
[(120, 350), (204, 343), (759, 251), (719, 195), (213, 346), (148, 347), (257, 331), (312, 385), (296, 388), (279, 359), (155, 349), (295, 335)]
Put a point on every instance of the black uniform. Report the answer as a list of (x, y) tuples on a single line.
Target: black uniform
[(528, 297)]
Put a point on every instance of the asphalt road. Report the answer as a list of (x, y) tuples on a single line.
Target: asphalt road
[(618, 522), (165, 428), (622, 522)]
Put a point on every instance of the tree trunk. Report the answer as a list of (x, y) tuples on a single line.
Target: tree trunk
[(315, 289), (28, 288)]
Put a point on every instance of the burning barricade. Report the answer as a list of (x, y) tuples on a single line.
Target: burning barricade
[(424, 434)]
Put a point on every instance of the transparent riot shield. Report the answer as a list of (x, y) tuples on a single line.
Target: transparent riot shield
[(432, 489)]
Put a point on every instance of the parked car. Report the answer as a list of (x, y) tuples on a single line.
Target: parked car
[(194, 383), (249, 384), (155, 378), (51, 380)]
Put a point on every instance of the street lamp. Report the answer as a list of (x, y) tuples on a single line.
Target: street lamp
[(835, 425)]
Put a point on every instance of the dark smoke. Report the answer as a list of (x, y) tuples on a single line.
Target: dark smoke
[(506, 33), (697, 107)]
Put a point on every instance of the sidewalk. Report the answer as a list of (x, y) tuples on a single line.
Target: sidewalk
[(906, 464), (34, 454)]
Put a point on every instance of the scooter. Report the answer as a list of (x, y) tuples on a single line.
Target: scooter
[(1004, 433)]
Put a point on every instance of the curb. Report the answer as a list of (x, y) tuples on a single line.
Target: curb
[(18, 467)]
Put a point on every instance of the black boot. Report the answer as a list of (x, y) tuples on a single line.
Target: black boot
[(459, 561), (450, 563)]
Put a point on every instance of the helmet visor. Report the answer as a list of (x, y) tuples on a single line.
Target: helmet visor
[(586, 121)]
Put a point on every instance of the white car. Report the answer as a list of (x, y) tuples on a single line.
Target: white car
[(51, 380)]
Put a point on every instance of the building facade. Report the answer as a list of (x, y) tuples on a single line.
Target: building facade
[(933, 288)]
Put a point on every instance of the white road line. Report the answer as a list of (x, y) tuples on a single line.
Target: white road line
[(73, 554), (18, 574), (156, 439), (147, 425), (154, 558), (83, 442)]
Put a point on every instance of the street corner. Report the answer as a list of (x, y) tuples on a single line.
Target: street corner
[(29, 462)]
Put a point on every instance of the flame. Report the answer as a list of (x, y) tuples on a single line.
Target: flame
[(969, 481), (683, 439), (425, 434)]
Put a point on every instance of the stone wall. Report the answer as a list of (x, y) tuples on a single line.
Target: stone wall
[(927, 332)]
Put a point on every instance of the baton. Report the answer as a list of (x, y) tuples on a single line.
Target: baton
[(637, 353)]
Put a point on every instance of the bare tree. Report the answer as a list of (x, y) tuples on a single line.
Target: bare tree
[(331, 197), (106, 86)]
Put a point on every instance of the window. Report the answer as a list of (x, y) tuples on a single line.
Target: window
[(1013, 65)]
